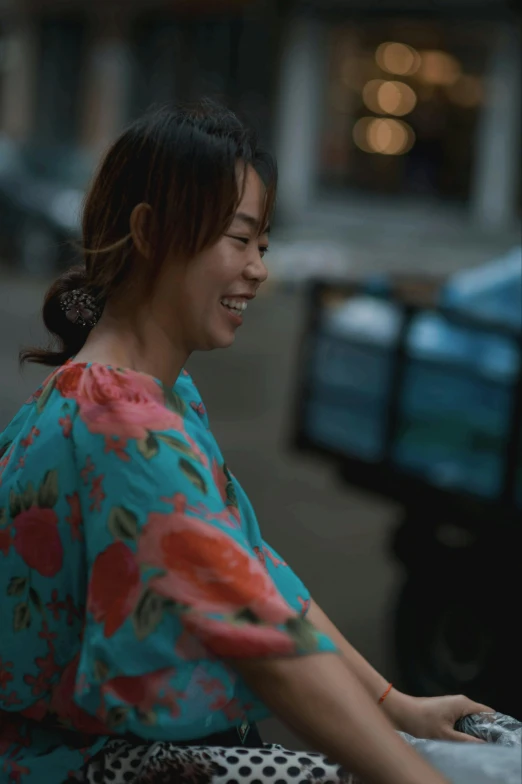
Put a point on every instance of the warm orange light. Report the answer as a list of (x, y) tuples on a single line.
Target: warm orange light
[(438, 68), (383, 135), (396, 98), (397, 58), (360, 133), (391, 97), (370, 92)]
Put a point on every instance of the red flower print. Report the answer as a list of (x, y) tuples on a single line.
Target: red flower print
[(4, 460), (207, 569), (96, 493), (46, 634), (118, 446), (117, 403), (114, 587), (240, 640), (276, 561), (16, 771), (37, 540), (5, 540), (75, 519), (86, 470), (10, 699), (66, 425), (39, 684), (72, 612), (232, 708), (35, 396), (305, 605), (68, 380), (33, 433), (261, 556), (199, 408), (56, 607), (144, 692), (47, 664), (5, 675)]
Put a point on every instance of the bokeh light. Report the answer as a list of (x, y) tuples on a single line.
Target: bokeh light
[(383, 135), (389, 97), (438, 68), (397, 58)]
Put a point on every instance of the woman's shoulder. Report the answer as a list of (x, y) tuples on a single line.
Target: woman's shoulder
[(109, 408), (80, 400), (24, 422)]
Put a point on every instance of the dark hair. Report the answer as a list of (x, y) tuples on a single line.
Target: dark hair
[(182, 161)]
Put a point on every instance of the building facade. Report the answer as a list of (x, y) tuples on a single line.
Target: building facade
[(379, 101), (405, 101)]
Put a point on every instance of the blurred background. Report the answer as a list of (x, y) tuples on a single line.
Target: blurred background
[(397, 129)]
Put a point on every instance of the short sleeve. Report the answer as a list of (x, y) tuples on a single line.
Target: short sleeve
[(288, 583), (174, 589)]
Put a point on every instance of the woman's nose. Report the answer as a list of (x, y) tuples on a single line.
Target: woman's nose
[(256, 268)]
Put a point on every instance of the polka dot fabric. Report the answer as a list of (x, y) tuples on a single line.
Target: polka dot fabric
[(121, 762)]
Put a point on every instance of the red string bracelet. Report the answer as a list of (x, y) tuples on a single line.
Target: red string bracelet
[(388, 690)]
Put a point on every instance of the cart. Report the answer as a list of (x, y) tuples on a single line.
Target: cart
[(420, 402)]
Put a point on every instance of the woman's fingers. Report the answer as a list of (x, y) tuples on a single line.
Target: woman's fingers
[(461, 737), (469, 707)]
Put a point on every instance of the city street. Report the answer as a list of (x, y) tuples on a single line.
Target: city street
[(335, 538), (396, 130)]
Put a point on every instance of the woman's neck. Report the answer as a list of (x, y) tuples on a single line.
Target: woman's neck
[(143, 347)]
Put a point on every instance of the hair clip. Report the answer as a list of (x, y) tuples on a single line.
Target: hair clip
[(80, 308)]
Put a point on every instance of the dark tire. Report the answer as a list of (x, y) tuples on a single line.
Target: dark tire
[(454, 634)]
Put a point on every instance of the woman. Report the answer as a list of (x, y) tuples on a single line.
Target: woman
[(146, 626)]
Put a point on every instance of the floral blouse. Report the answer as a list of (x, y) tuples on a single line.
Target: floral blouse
[(131, 568)]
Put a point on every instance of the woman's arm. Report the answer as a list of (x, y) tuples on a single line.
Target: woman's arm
[(374, 683), (324, 702), (424, 718)]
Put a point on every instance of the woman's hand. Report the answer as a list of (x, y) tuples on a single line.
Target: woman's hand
[(431, 717)]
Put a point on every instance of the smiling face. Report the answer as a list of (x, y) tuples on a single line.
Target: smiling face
[(206, 298)]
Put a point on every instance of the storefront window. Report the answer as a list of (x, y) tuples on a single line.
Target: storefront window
[(402, 107)]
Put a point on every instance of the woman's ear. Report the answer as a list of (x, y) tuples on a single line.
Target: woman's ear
[(142, 230)]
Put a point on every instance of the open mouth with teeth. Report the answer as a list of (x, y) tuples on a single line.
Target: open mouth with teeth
[(236, 306)]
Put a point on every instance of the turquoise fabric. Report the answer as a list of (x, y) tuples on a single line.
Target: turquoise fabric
[(131, 568)]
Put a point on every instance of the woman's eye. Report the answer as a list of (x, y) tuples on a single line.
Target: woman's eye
[(263, 249)]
